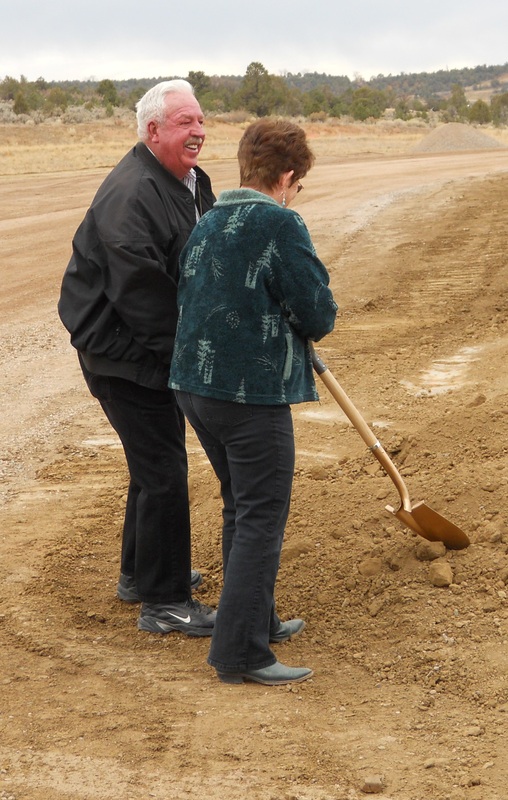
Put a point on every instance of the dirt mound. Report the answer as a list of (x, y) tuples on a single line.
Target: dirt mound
[(455, 136)]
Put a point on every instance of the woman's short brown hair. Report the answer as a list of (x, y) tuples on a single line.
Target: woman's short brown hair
[(271, 147)]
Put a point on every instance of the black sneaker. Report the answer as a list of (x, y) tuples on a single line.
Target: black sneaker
[(126, 589), (190, 617)]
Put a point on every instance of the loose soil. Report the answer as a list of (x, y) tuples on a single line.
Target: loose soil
[(409, 700)]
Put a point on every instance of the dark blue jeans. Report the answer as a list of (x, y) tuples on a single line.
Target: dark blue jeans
[(156, 531), (251, 449)]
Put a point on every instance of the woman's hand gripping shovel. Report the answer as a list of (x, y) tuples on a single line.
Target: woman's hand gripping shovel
[(419, 517)]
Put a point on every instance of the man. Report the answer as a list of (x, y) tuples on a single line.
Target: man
[(118, 302)]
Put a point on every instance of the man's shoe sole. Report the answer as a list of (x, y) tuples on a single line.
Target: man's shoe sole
[(155, 625)]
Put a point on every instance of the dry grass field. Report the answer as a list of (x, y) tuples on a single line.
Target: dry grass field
[(56, 147), (409, 700)]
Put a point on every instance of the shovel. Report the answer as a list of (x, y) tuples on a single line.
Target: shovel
[(422, 519)]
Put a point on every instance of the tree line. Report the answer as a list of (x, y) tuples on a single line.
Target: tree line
[(311, 95)]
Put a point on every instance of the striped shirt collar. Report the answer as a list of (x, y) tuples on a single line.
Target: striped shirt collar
[(190, 182)]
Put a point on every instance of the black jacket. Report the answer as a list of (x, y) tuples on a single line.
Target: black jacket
[(118, 295)]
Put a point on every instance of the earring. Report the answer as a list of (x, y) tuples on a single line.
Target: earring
[(283, 204)]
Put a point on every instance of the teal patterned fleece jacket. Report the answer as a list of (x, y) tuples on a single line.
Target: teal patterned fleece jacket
[(252, 291)]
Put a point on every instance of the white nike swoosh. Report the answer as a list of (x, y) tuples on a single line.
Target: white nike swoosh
[(182, 619)]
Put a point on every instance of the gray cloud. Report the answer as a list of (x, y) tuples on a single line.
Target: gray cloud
[(122, 39)]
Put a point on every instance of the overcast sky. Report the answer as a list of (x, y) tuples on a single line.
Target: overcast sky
[(96, 39)]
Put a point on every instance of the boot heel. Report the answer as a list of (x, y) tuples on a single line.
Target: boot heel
[(229, 677)]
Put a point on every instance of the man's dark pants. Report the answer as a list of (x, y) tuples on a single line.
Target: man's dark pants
[(156, 532)]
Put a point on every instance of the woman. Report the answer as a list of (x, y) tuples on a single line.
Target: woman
[(252, 292)]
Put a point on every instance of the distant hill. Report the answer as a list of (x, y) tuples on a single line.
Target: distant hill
[(474, 80), (478, 82)]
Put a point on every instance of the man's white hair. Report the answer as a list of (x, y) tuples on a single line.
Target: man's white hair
[(152, 105)]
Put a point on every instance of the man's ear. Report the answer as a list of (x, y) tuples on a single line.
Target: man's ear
[(152, 130)]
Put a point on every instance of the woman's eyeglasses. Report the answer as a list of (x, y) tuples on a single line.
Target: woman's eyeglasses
[(299, 187)]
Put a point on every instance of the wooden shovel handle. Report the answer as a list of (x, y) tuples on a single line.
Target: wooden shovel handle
[(361, 426)]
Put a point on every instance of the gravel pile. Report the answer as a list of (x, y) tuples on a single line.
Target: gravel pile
[(455, 136)]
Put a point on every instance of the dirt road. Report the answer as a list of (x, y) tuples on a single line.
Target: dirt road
[(410, 693)]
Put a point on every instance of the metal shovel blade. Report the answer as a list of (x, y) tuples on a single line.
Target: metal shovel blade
[(419, 517), (422, 519)]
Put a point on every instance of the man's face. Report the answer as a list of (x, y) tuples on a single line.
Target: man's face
[(178, 140)]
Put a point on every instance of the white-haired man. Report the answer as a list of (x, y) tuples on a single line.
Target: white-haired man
[(118, 302)]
